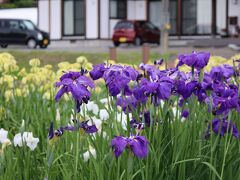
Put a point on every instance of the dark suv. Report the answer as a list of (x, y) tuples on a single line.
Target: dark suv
[(137, 32), (16, 31)]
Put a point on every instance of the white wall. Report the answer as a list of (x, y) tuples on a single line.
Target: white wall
[(137, 10), (55, 19), (221, 15), (104, 18), (234, 10), (204, 16), (113, 22), (20, 13), (91, 19), (43, 8)]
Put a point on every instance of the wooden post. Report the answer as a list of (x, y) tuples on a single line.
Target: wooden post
[(112, 53), (165, 26), (145, 53)]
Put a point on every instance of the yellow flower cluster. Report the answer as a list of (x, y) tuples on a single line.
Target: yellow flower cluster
[(7, 63), (17, 82)]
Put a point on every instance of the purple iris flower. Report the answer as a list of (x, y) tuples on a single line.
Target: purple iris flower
[(185, 113), (139, 93), (221, 73), (145, 119), (224, 99), (222, 127), (196, 60), (185, 88), (207, 82), (150, 71), (77, 84), (117, 78), (54, 134), (82, 125), (160, 89), (158, 62), (137, 144), (127, 103), (97, 71)]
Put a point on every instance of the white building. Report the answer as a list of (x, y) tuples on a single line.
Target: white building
[(95, 19)]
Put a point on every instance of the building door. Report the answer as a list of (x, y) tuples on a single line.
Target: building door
[(156, 17), (74, 17)]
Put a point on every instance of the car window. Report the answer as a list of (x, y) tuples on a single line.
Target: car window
[(150, 25), (22, 25), (29, 25), (14, 25), (124, 25)]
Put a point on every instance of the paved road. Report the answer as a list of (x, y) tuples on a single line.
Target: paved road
[(176, 46)]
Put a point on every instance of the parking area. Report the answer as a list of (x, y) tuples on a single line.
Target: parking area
[(215, 47)]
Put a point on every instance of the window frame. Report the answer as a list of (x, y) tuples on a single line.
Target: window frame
[(74, 19), (117, 13)]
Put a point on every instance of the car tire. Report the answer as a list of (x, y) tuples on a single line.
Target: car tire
[(43, 46), (4, 45), (116, 44), (32, 43), (138, 41)]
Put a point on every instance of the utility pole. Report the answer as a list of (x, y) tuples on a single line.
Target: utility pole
[(165, 26)]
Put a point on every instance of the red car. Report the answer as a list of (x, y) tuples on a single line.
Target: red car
[(136, 32)]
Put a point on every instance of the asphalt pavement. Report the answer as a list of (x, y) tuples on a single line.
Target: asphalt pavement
[(214, 46)]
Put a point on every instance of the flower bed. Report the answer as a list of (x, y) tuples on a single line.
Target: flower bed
[(113, 121)]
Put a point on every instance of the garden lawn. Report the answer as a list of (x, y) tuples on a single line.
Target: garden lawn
[(56, 57)]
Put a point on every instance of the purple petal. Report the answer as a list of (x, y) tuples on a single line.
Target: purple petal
[(60, 93), (91, 129), (139, 146), (51, 131), (85, 81), (118, 144)]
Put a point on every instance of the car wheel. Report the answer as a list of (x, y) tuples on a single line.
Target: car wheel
[(4, 45), (43, 46), (116, 44), (137, 41), (32, 44)]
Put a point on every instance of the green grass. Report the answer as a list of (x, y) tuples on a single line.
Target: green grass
[(53, 58)]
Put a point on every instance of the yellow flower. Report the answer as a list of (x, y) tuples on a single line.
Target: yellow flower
[(8, 95), (63, 65), (18, 92), (98, 89), (47, 95), (215, 61), (110, 61), (48, 66), (82, 60), (34, 62), (8, 80), (22, 72)]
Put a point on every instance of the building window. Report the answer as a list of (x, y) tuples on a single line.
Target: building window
[(74, 18), (189, 17), (118, 9)]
